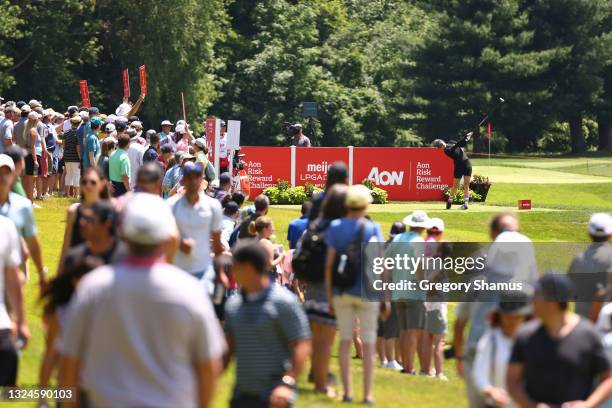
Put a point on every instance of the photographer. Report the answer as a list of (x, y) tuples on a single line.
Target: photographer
[(296, 135)]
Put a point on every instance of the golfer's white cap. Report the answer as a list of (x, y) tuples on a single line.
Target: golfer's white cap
[(6, 161), (436, 224), (147, 220), (418, 219), (600, 225)]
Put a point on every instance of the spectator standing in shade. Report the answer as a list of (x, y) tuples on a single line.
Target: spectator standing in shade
[(267, 332), (165, 134), (558, 359), (108, 354), (91, 144)]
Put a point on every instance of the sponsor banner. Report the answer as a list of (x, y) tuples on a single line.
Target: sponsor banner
[(407, 174), (210, 126), (266, 165), (312, 163), (126, 84), (524, 205), (84, 94), (143, 79)]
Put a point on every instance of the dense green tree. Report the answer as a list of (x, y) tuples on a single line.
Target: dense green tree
[(9, 21)]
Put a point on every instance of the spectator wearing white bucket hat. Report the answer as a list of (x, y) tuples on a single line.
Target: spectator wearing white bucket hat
[(410, 308)]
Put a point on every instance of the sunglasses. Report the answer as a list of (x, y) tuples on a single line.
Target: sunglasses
[(89, 181)]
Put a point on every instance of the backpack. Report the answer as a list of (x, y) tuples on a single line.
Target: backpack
[(308, 261), (347, 263)]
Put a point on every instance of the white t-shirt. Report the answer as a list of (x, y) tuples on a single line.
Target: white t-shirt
[(135, 152), (197, 222), (138, 328), (6, 132), (10, 257), (489, 370), (511, 258), (223, 146)]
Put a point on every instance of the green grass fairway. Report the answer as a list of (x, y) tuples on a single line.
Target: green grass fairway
[(563, 192)]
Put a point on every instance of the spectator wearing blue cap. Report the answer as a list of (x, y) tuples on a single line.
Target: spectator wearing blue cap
[(91, 144), (199, 220)]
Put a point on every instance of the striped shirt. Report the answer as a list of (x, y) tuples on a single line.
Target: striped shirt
[(262, 330), (70, 147)]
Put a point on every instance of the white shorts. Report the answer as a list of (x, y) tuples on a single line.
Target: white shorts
[(73, 174), (348, 307)]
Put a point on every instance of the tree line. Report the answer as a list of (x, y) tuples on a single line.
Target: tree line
[(382, 72)]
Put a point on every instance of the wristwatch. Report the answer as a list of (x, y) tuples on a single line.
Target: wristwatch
[(288, 381)]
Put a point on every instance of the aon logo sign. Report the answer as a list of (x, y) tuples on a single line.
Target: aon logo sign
[(386, 178)]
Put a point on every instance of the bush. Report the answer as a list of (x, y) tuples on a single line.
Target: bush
[(458, 197), (379, 196), (283, 193), (480, 185)]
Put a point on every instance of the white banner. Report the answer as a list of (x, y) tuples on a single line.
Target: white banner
[(233, 134)]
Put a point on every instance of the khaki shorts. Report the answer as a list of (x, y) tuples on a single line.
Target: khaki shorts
[(348, 308), (411, 315)]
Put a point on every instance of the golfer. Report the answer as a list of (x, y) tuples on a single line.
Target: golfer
[(463, 168)]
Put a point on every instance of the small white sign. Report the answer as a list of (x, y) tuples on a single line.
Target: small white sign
[(233, 134)]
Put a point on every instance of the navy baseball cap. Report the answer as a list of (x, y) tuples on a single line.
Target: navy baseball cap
[(554, 287), (190, 167)]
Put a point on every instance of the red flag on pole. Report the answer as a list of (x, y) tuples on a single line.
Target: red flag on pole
[(84, 94), (126, 84), (489, 130), (143, 80)]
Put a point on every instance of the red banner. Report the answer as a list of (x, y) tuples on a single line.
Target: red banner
[(143, 80), (407, 174), (84, 94), (211, 123), (266, 165), (126, 84), (312, 164)]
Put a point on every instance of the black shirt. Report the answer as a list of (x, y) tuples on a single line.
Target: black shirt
[(71, 142), (558, 370), (456, 152), (76, 254)]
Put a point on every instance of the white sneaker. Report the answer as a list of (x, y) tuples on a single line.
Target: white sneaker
[(442, 377), (36, 205), (394, 365), (384, 364)]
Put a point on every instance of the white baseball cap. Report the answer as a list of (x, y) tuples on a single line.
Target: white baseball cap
[(418, 219), (110, 118), (436, 223), (147, 220), (6, 161), (167, 123), (180, 129), (110, 128), (600, 225), (33, 115)]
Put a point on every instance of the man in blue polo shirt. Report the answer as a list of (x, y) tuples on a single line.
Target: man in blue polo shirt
[(298, 226)]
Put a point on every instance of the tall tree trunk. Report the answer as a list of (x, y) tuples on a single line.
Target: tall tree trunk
[(578, 140), (604, 125)]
